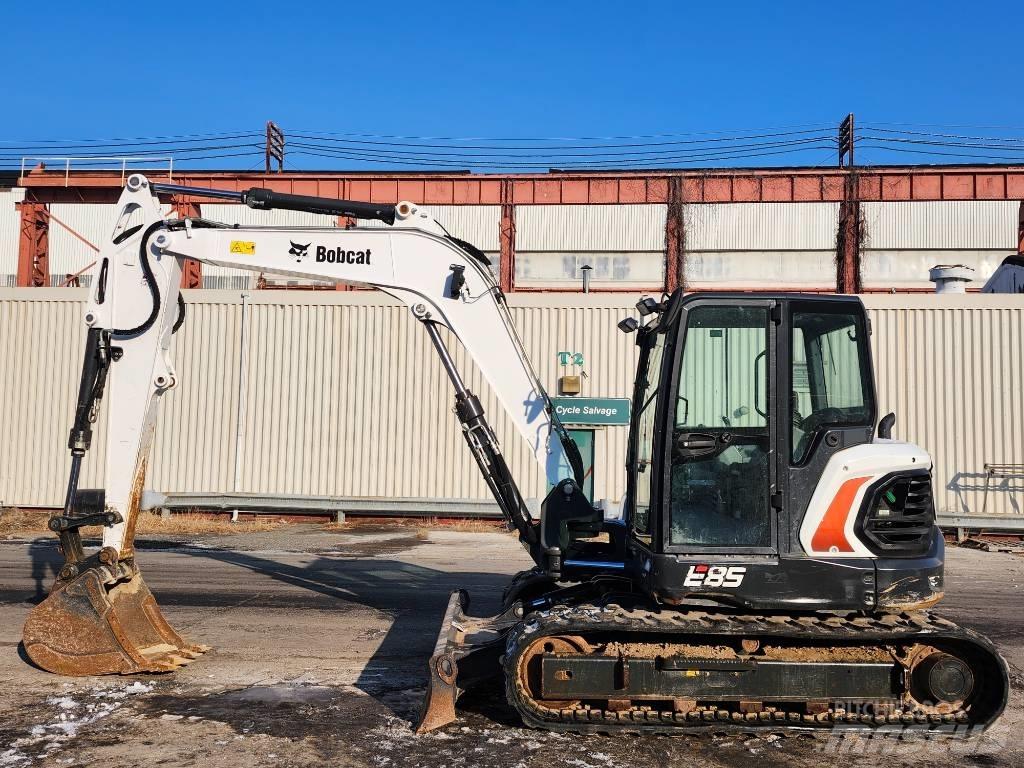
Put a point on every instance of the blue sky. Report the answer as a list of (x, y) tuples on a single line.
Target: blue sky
[(514, 69)]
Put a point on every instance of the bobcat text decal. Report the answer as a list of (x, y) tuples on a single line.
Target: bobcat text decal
[(341, 256)]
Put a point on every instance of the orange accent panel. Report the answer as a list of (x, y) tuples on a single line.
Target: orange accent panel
[(831, 530)]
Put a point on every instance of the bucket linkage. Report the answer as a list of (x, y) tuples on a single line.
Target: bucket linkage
[(100, 617)]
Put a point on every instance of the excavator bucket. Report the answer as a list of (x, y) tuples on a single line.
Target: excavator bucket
[(104, 621), (466, 654)]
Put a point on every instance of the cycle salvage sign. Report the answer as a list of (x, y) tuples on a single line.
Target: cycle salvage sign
[(593, 411)]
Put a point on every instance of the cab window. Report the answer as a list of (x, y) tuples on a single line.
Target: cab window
[(644, 475), (830, 375)]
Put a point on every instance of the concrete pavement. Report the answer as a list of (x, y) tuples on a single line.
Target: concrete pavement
[(320, 642)]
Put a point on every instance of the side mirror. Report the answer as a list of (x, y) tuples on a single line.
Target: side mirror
[(647, 305), (628, 324)]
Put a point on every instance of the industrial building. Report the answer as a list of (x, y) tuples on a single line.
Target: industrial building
[(274, 401)]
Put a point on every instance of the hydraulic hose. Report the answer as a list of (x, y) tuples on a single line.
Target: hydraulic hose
[(181, 315), (154, 289)]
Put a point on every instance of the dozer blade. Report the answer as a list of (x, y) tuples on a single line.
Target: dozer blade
[(88, 626), (466, 653)]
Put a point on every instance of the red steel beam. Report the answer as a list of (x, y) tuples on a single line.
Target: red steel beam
[(784, 185), (191, 270), (33, 245)]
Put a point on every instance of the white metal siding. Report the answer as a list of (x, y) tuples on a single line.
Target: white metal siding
[(344, 395), (952, 370), (10, 234), (42, 338), (943, 224), (754, 245), (68, 254), (590, 227), (902, 241), (902, 269), (758, 270), (633, 270), (761, 226)]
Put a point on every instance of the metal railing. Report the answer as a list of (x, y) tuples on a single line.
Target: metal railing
[(129, 164)]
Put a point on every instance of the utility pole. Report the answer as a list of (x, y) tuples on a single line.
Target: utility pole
[(846, 140), (274, 147)]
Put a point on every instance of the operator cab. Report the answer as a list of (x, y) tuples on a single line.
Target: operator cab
[(739, 403)]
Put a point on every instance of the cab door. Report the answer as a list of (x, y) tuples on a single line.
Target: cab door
[(720, 458)]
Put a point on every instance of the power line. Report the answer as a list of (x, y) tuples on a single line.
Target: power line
[(100, 161), (814, 126), (184, 139), (607, 164), (146, 152), (555, 157), (1008, 139), (937, 153), (314, 136)]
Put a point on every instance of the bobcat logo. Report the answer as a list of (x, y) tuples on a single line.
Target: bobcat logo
[(298, 250)]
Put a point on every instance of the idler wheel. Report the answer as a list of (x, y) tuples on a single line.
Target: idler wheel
[(529, 666), (942, 679)]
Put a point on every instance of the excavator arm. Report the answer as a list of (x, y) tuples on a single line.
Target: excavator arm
[(100, 617)]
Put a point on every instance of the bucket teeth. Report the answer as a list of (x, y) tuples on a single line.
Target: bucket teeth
[(89, 627)]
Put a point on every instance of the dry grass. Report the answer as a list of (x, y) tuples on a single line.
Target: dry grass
[(32, 522), (470, 525), (191, 522), (423, 525), (22, 522), (18, 522)]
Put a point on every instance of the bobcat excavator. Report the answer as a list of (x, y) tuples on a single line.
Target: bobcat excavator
[(777, 550)]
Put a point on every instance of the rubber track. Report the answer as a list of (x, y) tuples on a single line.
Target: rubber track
[(628, 623)]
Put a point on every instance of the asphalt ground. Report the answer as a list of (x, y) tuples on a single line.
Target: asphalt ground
[(320, 644)]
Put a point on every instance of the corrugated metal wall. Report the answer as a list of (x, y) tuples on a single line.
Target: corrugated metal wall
[(734, 245), (623, 244), (590, 227), (68, 254), (952, 370), (750, 245), (902, 241), (343, 395), (10, 233), (946, 224), (761, 226)]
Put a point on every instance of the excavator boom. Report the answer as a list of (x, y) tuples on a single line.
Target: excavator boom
[(100, 617)]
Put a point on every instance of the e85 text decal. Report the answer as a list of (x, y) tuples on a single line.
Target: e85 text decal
[(714, 576)]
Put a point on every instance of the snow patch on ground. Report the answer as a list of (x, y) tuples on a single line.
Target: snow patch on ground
[(68, 717)]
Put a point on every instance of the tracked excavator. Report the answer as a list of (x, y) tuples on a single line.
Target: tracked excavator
[(772, 568)]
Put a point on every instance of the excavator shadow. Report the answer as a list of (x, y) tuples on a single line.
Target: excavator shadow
[(412, 598)]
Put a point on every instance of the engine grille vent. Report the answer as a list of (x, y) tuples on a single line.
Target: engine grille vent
[(900, 516)]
